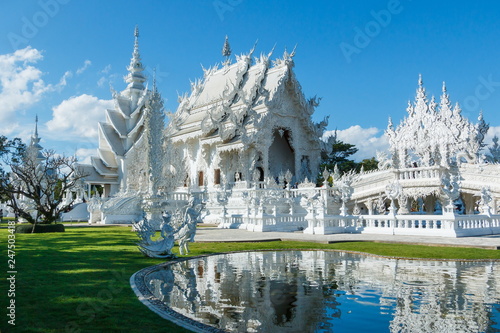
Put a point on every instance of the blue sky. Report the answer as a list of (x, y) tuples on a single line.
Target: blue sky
[(59, 57)]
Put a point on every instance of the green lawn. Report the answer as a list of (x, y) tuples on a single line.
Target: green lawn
[(78, 281)]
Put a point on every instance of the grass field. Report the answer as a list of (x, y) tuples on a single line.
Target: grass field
[(78, 281)]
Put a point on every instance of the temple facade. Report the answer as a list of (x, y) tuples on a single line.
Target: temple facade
[(243, 141), (246, 121)]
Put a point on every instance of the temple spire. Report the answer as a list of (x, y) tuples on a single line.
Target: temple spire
[(135, 78), (421, 100), (35, 139), (35, 149), (36, 127), (154, 80)]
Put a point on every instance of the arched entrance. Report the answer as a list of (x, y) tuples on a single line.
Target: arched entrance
[(281, 153)]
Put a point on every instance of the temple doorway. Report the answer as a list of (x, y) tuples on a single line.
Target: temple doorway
[(281, 153)]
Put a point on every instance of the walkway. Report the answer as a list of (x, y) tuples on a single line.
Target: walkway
[(213, 234), (205, 234)]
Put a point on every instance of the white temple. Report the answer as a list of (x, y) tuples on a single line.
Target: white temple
[(243, 140)]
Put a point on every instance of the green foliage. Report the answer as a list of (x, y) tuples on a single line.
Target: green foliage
[(340, 152), (368, 164), (494, 156), (14, 147), (39, 228), (339, 155), (10, 151)]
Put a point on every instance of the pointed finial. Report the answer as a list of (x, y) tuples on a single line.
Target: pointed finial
[(420, 81), (253, 48), (154, 80), (36, 125), (272, 51), (444, 87), (136, 31), (226, 49)]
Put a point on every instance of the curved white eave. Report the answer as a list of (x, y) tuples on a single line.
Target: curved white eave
[(122, 104), (142, 101), (136, 143), (112, 139), (137, 126), (101, 168), (108, 158), (114, 118)]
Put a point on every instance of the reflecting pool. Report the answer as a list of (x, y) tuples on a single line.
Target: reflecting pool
[(326, 291)]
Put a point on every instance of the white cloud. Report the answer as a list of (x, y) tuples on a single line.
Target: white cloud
[(77, 117), (21, 84), (63, 81), (494, 130), (367, 140), (82, 69), (84, 154), (106, 69), (101, 82)]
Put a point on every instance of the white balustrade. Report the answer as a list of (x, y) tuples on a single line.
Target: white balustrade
[(429, 225), (419, 173), (262, 208)]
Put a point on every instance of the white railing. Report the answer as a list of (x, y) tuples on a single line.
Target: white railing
[(429, 225), (279, 209), (419, 173)]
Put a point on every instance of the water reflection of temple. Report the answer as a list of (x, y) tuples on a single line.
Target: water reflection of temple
[(304, 291)]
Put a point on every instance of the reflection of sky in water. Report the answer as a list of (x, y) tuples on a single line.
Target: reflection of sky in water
[(322, 291)]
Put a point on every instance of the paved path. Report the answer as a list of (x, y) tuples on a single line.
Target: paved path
[(212, 234)]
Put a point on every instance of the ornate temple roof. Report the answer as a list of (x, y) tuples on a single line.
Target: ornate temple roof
[(221, 103), (435, 134)]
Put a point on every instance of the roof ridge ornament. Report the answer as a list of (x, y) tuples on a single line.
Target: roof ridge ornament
[(253, 48), (226, 52)]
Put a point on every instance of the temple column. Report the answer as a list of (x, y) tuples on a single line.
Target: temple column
[(298, 157), (265, 162), (122, 173), (369, 206)]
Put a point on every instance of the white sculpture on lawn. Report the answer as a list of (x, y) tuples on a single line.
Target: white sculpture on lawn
[(180, 226)]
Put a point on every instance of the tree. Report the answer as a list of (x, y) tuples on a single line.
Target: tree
[(368, 164), (337, 152), (33, 182), (494, 155)]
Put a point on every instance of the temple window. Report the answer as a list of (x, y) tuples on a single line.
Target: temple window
[(200, 178), (217, 176)]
